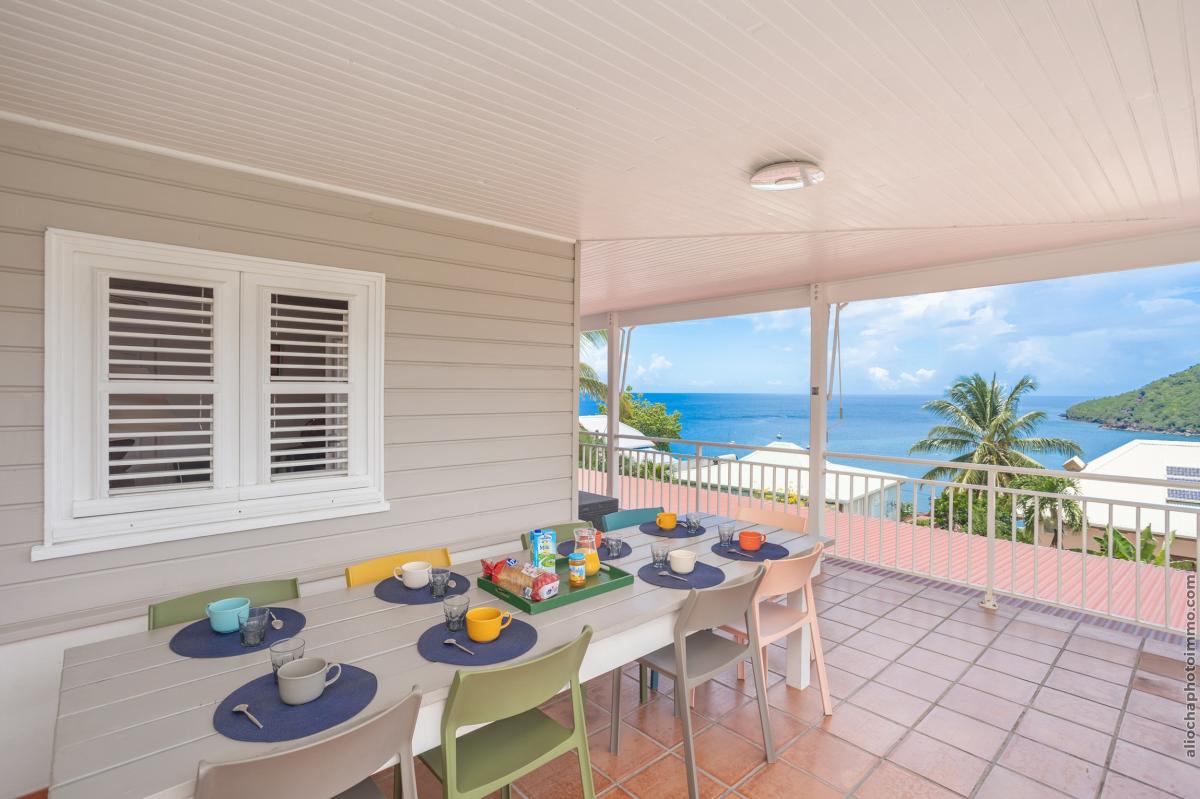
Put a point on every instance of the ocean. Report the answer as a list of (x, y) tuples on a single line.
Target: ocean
[(873, 424)]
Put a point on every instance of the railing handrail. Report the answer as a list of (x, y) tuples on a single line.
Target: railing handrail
[(981, 467)]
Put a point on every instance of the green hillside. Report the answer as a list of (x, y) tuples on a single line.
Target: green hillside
[(1168, 405)]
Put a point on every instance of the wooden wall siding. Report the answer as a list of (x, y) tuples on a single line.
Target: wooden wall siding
[(479, 354)]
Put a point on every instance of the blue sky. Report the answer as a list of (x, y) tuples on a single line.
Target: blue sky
[(1093, 335)]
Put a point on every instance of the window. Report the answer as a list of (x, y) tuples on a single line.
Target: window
[(191, 393)]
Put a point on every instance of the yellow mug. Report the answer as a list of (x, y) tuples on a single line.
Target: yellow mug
[(666, 521), (485, 624)]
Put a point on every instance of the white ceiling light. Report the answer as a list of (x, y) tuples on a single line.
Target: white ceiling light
[(787, 175)]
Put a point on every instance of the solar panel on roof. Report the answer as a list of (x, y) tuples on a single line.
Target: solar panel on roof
[(1183, 474)]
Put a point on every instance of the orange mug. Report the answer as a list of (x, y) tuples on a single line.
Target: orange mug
[(485, 624), (751, 540)]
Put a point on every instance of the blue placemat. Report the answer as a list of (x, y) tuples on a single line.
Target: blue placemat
[(392, 590), (198, 640), (650, 528), (703, 576), (341, 701), (768, 551), (515, 640), (567, 547)]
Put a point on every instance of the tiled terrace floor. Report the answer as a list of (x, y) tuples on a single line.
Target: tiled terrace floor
[(933, 697)]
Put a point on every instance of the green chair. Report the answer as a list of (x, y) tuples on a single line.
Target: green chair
[(191, 607), (519, 737), (565, 531), (628, 518)]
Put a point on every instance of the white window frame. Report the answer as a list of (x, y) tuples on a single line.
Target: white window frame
[(79, 516)]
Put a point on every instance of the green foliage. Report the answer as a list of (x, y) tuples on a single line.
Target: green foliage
[(590, 384), (1146, 551), (1169, 405), (1045, 510), (970, 511), (650, 418), (983, 425)]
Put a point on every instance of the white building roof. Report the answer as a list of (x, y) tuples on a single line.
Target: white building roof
[(1141, 458), (783, 466), (599, 424)]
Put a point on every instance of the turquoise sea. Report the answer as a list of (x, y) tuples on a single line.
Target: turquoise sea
[(872, 424)]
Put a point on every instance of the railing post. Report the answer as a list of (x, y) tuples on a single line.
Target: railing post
[(614, 407), (989, 597), (699, 455)]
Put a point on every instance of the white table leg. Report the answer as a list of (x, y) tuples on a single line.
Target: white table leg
[(799, 644)]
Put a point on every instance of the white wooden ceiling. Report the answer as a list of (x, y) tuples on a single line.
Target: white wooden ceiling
[(949, 131)]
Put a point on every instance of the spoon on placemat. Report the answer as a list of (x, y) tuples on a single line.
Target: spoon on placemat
[(245, 709), (739, 553), (452, 642), (665, 573), (276, 622)]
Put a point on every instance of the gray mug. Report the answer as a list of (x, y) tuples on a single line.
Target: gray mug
[(305, 679)]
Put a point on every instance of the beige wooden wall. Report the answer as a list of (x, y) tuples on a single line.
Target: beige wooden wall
[(480, 346)]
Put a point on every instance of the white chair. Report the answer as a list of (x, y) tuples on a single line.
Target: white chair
[(338, 767)]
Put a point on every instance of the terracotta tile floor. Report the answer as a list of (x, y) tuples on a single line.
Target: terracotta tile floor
[(934, 697)]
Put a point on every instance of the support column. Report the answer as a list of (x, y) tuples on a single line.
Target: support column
[(817, 411), (614, 405), (799, 643)]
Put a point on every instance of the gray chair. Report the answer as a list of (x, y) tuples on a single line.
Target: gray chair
[(339, 767), (699, 654)]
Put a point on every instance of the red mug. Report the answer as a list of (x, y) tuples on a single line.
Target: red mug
[(751, 540)]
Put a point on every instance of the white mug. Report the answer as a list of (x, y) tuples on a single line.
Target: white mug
[(304, 679), (682, 561), (414, 574)]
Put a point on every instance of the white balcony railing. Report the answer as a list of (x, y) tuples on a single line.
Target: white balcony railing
[(1075, 550)]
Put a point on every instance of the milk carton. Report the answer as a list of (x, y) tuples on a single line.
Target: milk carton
[(543, 549)]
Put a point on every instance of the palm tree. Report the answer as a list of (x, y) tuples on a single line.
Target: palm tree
[(590, 384), (1043, 513), (983, 426)]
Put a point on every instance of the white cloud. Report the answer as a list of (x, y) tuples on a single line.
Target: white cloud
[(883, 377), (955, 321), (774, 382), (776, 320), (658, 363), (1170, 311), (700, 383)]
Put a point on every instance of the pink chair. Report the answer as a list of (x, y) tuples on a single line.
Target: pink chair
[(774, 621)]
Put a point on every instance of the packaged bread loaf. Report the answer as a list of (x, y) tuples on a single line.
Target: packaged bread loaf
[(523, 579)]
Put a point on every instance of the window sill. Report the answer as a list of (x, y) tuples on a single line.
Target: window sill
[(82, 538)]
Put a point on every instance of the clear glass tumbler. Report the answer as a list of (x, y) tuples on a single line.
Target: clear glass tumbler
[(439, 578), (254, 628), (659, 551), (455, 608), (613, 545), (285, 650), (693, 521), (725, 534)]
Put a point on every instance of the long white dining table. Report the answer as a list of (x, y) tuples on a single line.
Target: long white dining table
[(135, 719)]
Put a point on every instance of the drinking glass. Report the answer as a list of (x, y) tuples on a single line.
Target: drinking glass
[(613, 544), (693, 521), (439, 578), (725, 534), (285, 650), (254, 628), (455, 608), (659, 551)]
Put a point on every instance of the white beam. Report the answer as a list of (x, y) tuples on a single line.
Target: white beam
[(1160, 249), (818, 314), (614, 403), (733, 305)]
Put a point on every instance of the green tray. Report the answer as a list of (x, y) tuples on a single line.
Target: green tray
[(608, 578)]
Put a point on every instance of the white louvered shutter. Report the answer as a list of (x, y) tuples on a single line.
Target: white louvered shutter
[(158, 422), (310, 388)]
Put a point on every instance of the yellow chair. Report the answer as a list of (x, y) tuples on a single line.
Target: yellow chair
[(372, 571)]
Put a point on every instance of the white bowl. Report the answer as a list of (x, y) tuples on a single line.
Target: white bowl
[(682, 561)]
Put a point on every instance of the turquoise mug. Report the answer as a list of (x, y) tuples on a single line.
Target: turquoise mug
[(226, 614)]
